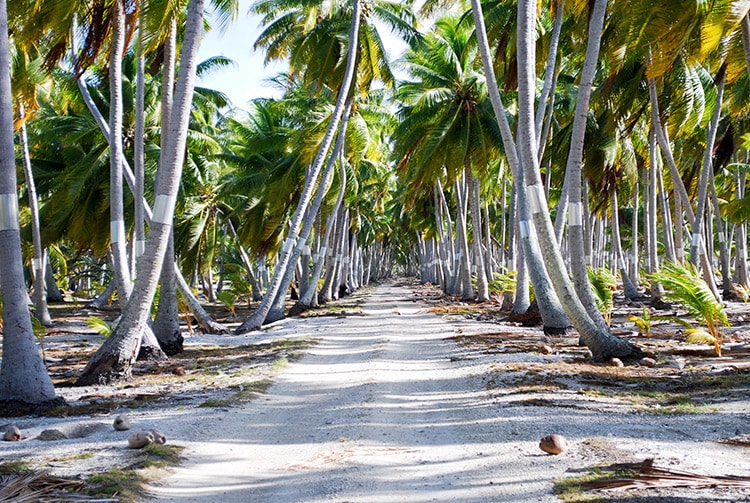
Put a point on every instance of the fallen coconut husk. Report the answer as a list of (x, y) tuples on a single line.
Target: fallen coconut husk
[(646, 475)]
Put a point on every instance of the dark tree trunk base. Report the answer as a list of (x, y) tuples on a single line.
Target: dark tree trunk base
[(625, 351), (297, 309), (659, 304), (171, 345), (107, 370), (151, 354), (274, 315), (213, 327), (556, 331), (16, 408)]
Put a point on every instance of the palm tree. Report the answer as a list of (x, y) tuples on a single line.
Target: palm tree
[(602, 344), (447, 130), (283, 261), (24, 381), (115, 358)]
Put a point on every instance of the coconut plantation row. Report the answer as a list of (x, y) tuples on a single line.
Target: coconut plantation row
[(548, 154)]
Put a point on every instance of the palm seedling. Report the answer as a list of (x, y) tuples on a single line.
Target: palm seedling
[(603, 284), (684, 285)]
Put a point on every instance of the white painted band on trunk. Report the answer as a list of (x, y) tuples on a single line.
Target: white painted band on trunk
[(301, 245), (306, 250), (696, 239), (322, 251), (523, 228), (117, 231), (473, 269), (537, 201), (721, 237), (288, 244), (37, 263), (8, 212), (163, 209), (140, 247), (575, 214)]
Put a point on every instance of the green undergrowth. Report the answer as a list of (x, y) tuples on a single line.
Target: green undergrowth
[(23, 483), (243, 393), (129, 484), (570, 489)]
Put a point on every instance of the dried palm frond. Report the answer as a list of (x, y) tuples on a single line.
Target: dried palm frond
[(646, 475), (40, 487)]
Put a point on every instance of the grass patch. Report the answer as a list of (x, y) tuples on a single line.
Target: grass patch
[(13, 467), (245, 392), (73, 457), (130, 484), (570, 489)]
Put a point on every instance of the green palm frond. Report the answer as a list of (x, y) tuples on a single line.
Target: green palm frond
[(684, 285), (603, 284)]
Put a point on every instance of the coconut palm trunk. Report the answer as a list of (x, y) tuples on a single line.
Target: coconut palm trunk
[(629, 288), (308, 296), (259, 316), (277, 310), (166, 324), (206, 322), (679, 186), (574, 166), (118, 237), (707, 171), (472, 182), (25, 384), (115, 358), (555, 319), (39, 295), (601, 343)]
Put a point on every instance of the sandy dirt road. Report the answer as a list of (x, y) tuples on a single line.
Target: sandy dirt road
[(388, 409)]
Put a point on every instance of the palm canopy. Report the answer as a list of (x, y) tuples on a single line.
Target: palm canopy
[(445, 116), (313, 37)]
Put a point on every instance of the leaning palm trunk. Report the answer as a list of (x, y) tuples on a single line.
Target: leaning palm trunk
[(601, 343), (574, 165), (708, 171), (167, 320), (115, 358), (277, 310), (39, 296), (24, 380), (554, 319), (679, 186), (550, 308), (309, 294), (472, 182), (256, 320), (207, 323), (116, 210)]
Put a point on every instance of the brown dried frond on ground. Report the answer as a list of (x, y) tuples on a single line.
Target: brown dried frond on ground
[(30, 486), (646, 475)]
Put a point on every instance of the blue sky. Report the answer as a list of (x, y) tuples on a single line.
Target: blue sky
[(245, 80)]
